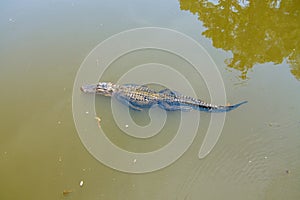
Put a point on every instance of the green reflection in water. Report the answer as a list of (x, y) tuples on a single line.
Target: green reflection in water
[(255, 31)]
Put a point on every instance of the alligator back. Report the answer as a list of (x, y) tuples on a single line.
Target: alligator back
[(136, 96)]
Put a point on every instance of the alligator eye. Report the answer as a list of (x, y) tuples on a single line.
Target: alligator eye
[(102, 85)]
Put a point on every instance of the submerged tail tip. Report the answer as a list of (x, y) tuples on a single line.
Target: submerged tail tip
[(243, 102), (239, 104)]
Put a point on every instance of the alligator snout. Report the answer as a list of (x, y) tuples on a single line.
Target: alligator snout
[(88, 88)]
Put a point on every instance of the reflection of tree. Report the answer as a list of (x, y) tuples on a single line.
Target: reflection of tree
[(254, 31)]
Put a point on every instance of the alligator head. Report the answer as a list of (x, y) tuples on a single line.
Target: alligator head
[(102, 88)]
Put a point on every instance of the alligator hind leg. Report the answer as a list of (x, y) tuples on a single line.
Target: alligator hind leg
[(185, 108), (169, 92), (169, 107)]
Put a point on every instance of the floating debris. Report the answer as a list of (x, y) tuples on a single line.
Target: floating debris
[(98, 121), (287, 171), (66, 192), (126, 126), (265, 157), (134, 160), (273, 124), (81, 183), (250, 161), (87, 112)]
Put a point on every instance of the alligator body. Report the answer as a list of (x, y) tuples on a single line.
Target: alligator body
[(138, 97)]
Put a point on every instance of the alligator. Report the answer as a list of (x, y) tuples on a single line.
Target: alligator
[(139, 97)]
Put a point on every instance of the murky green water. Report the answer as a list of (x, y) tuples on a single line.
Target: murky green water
[(256, 48)]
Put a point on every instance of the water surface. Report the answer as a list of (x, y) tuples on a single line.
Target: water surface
[(255, 46)]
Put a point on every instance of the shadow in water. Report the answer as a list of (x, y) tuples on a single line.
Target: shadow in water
[(254, 31)]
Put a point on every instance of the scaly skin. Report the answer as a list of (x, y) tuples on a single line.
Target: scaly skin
[(138, 97)]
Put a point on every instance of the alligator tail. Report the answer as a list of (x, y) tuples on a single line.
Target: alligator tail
[(216, 109)]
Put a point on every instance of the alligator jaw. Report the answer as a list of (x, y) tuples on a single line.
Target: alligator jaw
[(89, 88)]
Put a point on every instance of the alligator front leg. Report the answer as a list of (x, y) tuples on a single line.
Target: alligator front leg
[(128, 103), (133, 107)]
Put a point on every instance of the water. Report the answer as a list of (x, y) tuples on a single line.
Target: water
[(42, 47)]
